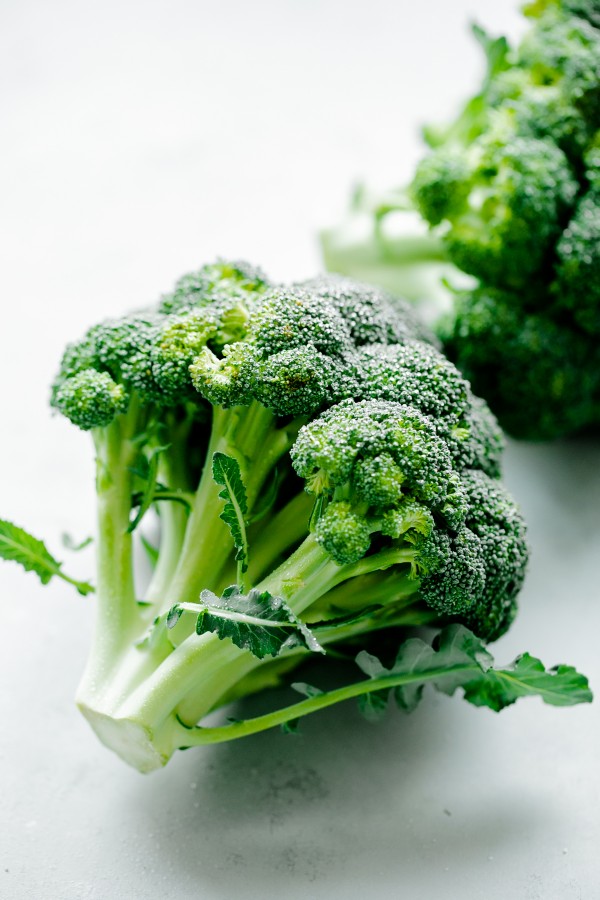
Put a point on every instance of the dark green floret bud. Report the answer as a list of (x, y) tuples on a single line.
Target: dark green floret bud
[(343, 534), (542, 379), (414, 374), (455, 577), (351, 431), (496, 520), (476, 441), (90, 399), (520, 192)]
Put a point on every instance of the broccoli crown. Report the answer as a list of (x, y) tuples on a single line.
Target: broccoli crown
[(227, 337), (512, 189), (387, 479), (299, 350)]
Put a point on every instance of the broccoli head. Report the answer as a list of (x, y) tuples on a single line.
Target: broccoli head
[(510, 193), (321, 476)]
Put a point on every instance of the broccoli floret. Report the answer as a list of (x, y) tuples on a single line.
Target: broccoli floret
[(540, 377), (577, 285), (223, 281), (373, 316), (322, 476), (506, 211), (510, 193)]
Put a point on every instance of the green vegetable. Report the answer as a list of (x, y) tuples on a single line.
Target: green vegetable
[(508, 238), (325, 483)]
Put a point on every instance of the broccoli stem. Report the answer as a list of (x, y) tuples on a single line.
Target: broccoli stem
[(184, 737), (250, 434), (173, 472), (287, 527), (119, 618), (117, 609)]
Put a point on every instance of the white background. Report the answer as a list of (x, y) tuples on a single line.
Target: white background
[(140, 139)]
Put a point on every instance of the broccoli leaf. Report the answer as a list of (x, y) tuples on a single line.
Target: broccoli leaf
[(456, 658), (459, 659), (256, 621), (75, 546), (19, 546), (147, 471), (227, 474)]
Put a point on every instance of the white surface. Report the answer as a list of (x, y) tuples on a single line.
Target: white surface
[(141, 139)]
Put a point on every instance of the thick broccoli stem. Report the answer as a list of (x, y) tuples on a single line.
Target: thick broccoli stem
[(173, 471), (287, 527), (119, 618), (137, 713), (250, 434)]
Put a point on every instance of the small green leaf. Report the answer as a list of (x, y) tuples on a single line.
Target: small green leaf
[(147, 470), (227, 474), (150, 549), (307, 690), (173, 616), (291, 727), (74, 546), (17, 545), (256, 621), (373, 705)]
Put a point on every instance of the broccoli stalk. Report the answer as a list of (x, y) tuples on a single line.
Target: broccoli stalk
[(325, 481)]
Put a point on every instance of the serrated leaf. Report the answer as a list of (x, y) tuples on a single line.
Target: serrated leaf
[(458, 659), (527, 677), (17, 545), (257, 621), (227, 474)]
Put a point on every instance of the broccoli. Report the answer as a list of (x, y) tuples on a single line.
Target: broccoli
[(324, 479), (509, 232)]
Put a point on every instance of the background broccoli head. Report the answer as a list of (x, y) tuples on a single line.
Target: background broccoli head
[(510, 193)]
